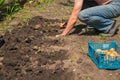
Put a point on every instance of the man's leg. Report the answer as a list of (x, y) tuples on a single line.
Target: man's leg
[(100, 17)]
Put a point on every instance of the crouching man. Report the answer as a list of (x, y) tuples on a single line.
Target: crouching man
[(98, 14)]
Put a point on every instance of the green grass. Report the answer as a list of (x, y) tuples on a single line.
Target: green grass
[(44, 1), (1, 3), (103, 36), (26, 16), (73, 59), (88, 78), (4, 28), (17, 11), (41, 8)]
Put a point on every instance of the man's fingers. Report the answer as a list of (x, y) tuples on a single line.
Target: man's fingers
[(57, 36), (60, 35)]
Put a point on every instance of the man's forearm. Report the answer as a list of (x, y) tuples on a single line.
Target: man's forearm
[(74, 16), (69, 26)]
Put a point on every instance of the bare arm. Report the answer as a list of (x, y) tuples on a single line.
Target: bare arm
[(74, 16)]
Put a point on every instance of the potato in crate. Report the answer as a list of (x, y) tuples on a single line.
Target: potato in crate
[(105, 55)]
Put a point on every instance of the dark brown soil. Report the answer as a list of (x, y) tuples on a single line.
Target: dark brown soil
[(32, 52), (27, 55)]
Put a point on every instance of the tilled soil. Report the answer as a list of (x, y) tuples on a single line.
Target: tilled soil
[(33, 53), (25, 53)]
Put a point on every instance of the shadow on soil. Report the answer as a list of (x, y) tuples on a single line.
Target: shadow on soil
[(83, 30)]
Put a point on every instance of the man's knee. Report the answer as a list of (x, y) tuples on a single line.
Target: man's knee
[(83, 16), (87, 18)]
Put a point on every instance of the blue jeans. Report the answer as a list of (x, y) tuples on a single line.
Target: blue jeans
[(101, 17)]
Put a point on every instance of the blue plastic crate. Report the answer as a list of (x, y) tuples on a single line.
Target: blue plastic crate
[(101, 60)]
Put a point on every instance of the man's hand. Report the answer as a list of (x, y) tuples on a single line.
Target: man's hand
[(59, 35), (74, 16)]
